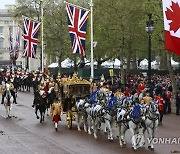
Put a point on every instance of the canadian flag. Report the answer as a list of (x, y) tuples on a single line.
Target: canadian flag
[(171, 12)]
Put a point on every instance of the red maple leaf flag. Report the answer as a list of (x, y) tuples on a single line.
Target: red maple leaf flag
[(171, 12)]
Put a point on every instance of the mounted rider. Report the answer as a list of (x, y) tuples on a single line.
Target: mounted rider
[(12, 90), (146, 99)]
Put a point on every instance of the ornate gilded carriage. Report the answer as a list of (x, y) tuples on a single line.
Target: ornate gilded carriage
[(72, 89)]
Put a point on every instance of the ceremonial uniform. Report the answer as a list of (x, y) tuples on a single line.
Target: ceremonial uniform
[(160, 101), (56, 110), (141, 87), (11, 88), (146, 100), (119, 94), (169, 95)]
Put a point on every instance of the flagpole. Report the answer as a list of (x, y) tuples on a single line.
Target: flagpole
[(42, 37), (92, 61), (13, 40)]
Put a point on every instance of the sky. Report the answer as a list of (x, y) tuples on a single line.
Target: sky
[(5, 2)]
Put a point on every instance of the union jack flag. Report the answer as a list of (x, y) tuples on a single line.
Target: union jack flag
[(17, 45), (77, 23), (11, 49), (31, 30)]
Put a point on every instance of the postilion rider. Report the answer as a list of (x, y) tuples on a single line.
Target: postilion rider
[(56, 111), (146, 99)]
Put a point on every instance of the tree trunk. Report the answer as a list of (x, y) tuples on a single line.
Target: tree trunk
[(59, 62), (163, 61), (129, 59), (173, 82), (134, 66), (121, 55)]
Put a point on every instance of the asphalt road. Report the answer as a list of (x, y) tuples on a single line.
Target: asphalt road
[(23, 134)]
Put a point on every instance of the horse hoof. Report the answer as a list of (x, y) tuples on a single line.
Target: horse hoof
[(37, 117), (85, 130), (95, 137), (122, 146), (134, 148), (150, 148), (89, 133), (56, 129)]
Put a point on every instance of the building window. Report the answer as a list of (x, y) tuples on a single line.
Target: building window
[(1, 29), (1, 43)]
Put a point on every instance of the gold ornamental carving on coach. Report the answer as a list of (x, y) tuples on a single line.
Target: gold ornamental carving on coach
[(74, 80)]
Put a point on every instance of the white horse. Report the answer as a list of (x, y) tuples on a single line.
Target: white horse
[(104, 114), (122, 122), (151, 122), (97, 112), (84, 111), (137, 115), (8, 101), (123, 118), (81, 114)]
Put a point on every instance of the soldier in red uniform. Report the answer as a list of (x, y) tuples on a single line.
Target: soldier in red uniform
[(169, 95), (141, 87), (159, 99)]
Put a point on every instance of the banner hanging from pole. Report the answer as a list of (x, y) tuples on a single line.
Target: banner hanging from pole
[(171, 11), (17, 44), (31, 32), (77, 23)]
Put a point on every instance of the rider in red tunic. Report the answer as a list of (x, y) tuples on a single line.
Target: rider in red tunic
[(141, 87)]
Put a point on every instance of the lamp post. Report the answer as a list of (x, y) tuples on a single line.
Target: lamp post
[(149, 29)]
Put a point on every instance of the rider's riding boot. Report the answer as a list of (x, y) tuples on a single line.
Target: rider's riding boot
[(14, 101), (2, 102)]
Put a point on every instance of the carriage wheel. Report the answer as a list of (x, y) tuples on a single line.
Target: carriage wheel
[(69, 119)]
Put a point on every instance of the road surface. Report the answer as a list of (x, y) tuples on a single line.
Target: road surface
[(23, 134)]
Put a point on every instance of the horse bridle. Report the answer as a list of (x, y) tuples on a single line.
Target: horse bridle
[(152, 112)]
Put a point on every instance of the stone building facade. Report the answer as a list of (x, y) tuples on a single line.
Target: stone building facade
[(8, 21)]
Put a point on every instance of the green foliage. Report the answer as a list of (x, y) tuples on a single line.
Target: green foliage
[(119, 27)]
